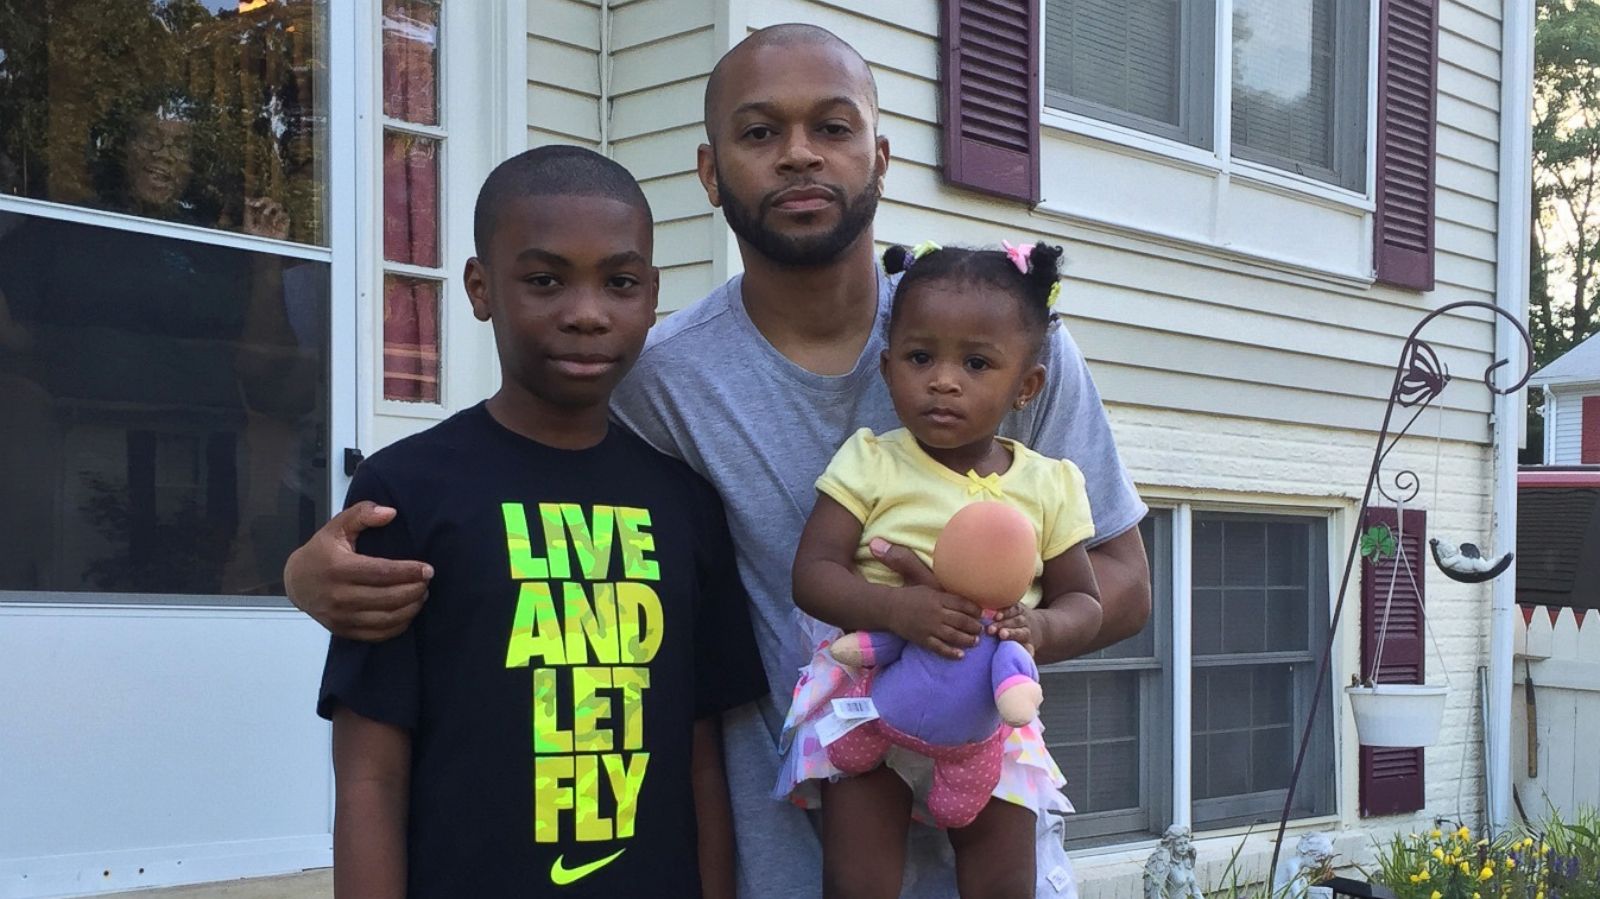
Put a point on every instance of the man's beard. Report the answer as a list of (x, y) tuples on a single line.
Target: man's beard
[(800, 252)]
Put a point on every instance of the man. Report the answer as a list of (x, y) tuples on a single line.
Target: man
[(756, 386)]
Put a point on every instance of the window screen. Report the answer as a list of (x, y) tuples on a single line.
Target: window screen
[(1259, 612), (1106, 718)]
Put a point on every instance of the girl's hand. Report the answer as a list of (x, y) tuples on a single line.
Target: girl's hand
[(923, 613), (940, 622), (1016, 624)]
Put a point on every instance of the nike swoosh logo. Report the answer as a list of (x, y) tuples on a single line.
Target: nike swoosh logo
[(561, 875)]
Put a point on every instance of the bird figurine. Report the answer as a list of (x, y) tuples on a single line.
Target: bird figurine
[(1466, 563)]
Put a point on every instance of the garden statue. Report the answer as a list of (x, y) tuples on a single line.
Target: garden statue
[(1311, 864), (1169, 874)]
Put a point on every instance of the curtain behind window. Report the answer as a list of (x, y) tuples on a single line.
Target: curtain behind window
[(1122, 54)]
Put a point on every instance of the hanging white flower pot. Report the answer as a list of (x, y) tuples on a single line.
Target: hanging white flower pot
[(1404, 715)]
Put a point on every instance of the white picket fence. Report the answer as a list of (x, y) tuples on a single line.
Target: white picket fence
[(1563, 658)]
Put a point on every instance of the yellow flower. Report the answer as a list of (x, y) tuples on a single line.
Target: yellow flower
[(1544, 849), (1415, 879), (1526, 842), (1539, 895), (1476, 895), (1435, 833), (1436, 895), (1486, 873), (1438, 853), (1464, 833), (1510, 863), (1465, 868), (1422, 875)]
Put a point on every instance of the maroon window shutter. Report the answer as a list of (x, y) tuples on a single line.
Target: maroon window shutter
[(1589, 451), (1391, 779), (990, 53), (1408, 74)]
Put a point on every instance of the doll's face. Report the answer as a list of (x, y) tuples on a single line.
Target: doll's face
[(988, 553)]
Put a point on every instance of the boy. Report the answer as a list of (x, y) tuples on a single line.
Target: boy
[(548, 724)]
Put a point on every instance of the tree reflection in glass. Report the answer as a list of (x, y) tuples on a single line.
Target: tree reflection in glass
[(171, 109)]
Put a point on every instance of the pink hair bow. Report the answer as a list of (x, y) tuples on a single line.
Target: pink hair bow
[(1019, 255)]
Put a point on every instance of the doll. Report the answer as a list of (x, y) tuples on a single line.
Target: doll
[(954, 711)]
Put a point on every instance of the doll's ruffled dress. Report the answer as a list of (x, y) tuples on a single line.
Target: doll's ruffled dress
[(899, 493)]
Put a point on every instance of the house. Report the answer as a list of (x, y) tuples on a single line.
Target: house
[(1259, 201), (1571, 386)]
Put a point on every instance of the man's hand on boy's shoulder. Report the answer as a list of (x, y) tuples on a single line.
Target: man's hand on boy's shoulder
[(354, 596)]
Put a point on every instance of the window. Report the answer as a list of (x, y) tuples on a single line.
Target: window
[(1260, 608), (1105, 718), (164, 295), (1141, 63), (413, 277), (205, 113), (1293, 83), (1258, 593)]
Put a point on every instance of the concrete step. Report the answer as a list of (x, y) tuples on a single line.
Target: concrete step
[(316, 884)]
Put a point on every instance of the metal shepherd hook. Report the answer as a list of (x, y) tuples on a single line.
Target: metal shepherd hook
[(1419, 378)]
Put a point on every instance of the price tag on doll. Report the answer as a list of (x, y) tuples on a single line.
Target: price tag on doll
[(831, 727), (858, 708)]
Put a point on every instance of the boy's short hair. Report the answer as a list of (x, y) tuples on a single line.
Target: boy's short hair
[(555, 170)]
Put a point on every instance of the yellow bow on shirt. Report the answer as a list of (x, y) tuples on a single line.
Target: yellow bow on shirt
[(983, 484)]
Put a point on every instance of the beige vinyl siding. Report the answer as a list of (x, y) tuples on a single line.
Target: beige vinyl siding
[(1467, 167), (661, 53), (564, 72), (642, 108), (1176, 326)]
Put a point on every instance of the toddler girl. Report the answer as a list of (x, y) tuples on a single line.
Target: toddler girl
[(965, 333)]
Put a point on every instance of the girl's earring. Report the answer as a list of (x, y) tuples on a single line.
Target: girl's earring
[(1019, 404)]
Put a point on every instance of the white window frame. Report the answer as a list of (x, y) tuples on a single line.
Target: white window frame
[(482, 96), (1218, 158)]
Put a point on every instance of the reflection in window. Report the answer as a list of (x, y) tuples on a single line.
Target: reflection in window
[(411, 61), (166, 411), (1283, 78), (203, 113)]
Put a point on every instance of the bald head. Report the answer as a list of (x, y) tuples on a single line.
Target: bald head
[(785, 36)]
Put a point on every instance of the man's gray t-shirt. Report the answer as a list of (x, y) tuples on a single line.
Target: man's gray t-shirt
[(711, 390)]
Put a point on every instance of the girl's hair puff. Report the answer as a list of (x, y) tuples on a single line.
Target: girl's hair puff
[(989, 268)]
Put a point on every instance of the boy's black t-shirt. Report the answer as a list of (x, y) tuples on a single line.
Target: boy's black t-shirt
[(585, 610)]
